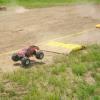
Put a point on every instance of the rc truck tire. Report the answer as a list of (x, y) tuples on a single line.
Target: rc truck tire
[(25, 61), (15, 57), (39, 55)]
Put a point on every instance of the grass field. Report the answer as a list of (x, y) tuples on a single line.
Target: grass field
[(44, 3), (73, 77)]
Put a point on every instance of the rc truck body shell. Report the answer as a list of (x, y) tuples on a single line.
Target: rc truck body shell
[(28, 52)]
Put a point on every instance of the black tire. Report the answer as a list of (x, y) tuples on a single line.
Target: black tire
[(25, 61), (15, 57), (39, 55)]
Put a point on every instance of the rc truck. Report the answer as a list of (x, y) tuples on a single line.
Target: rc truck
[(23, 55)]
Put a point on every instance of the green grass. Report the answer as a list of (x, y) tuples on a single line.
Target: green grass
[(44, 3), (62, 80)]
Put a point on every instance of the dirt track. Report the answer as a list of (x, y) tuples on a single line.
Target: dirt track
[(18, 29)]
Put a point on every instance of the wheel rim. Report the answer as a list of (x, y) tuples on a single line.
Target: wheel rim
[(41, 56), (27, 62)]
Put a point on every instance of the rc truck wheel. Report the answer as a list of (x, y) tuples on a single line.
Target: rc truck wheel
[(25, 61), (39, 55), (15, 57)]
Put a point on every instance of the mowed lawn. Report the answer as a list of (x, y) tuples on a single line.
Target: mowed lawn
[(44, 3), (73, 77)]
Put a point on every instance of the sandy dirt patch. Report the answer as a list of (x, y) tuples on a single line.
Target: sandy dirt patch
[(21, 27)]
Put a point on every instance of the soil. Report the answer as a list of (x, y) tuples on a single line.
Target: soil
[(20, 27)]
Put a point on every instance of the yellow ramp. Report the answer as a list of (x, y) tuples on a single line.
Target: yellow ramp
[(98, 26), (72, 47)]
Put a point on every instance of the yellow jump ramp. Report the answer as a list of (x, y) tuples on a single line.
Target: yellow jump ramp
[(98, 26), (61, 47)]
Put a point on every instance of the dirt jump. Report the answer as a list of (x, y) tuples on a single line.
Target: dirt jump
[(20, 27)]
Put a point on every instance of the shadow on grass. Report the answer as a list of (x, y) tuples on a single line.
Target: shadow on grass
[(32, 64)]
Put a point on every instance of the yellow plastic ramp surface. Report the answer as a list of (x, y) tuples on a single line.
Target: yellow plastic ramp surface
[(98, 26), (61, 47)]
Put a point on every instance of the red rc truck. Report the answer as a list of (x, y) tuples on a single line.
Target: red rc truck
[(24, 54)]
